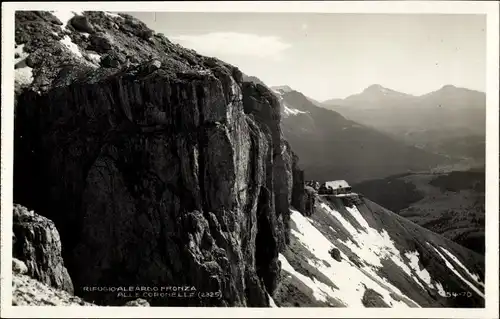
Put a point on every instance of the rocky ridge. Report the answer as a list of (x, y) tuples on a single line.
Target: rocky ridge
[(158, 166)]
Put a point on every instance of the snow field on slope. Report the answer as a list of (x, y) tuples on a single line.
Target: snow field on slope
[(455, 259), (271, 302), (373, 246), (320, 290), (350, 280), (288, 110), (292, 111), (450, 266), (423, 274), (68, 43)]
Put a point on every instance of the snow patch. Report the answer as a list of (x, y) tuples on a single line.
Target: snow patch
[(455, 259), (94, 57), (440, 289), (350, 229), (282, 88), (205, 72), (359, 219), (19, 50), (287, 110), (423, 274), (68, 43), (317, 287), (292, 111), (23, 74), (65, 15), (414, 264), (113, 15), (271, 302), (450, 266)]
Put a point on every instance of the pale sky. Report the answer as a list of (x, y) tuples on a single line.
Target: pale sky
[(332, 55)]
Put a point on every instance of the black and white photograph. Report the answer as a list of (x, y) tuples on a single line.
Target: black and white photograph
[(279, 159)]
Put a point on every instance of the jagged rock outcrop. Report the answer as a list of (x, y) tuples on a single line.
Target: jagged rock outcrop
[(310, 201), (282, 174), (37, 245), (18, 266), (167, 171), (299, 195)]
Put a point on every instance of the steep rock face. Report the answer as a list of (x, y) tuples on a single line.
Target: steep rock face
[(37, 244), (310, 201), (158, 173), (259, 101), (299, 194)]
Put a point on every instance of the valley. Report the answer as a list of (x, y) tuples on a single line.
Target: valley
[(451, 204)]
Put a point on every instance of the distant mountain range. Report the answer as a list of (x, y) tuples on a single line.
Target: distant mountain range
[(377, 96), (331, 146), (384, 131), (449, 121)]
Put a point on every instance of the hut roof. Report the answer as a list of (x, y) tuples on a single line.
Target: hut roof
[(337, 184)]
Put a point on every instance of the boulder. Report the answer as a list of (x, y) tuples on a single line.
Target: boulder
[(145, 34), (112, 60), (81, 24), (100, 43), (335, 253)]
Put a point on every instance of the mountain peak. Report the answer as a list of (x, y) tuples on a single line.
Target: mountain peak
[(448, 87), (282, 88), (374, 87), (377, 88)]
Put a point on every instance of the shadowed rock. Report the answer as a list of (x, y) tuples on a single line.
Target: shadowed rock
[(37, 244), (335, 253), (81, 23)]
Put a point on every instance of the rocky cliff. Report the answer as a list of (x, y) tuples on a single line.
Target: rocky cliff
[(37, 244), (160, 167)]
